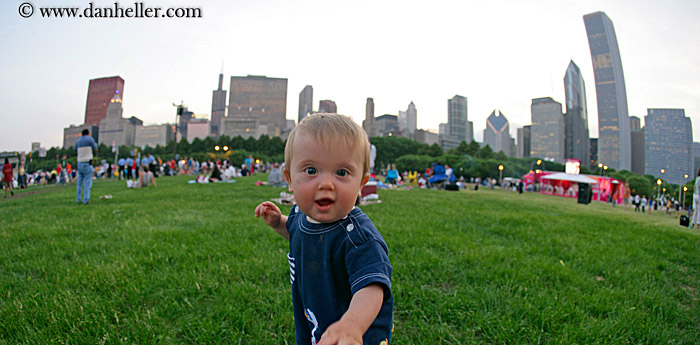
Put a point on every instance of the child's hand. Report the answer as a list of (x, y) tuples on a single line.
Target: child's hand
[(364, 307), (342, 333), (270, 213)]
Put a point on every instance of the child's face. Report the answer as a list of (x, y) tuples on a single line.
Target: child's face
[(325, 179)]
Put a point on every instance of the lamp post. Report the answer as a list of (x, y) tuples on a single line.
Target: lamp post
[(605, 170), (218, 148), (500, 174), (685, 189), (600, 169), (178, 113), (681, 184), (537, 172), (658, 189)]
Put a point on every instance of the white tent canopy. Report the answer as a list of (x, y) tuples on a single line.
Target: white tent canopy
[(570, 177)]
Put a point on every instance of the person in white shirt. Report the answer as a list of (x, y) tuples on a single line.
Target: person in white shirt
[(696, 202)]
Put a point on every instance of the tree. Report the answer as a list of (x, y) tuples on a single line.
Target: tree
[(485, 152), (413, 163), (435, 150), (639, 185)]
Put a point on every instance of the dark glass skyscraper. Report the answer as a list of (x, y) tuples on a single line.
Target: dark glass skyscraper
[(261, 99), (218, 107), (576, 144), (668, 135), (614, 143)]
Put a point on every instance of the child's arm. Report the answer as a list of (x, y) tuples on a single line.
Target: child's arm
[(364, 308), (272, 215)]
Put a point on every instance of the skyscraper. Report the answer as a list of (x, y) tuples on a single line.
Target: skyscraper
[(411, 120), (497, 133), (368, 124), (614, 142), (218, 107), (114, 127), (260, 100), (668, 134), (594, 154), (577, 143), (327, 106), (547, 129), (523, 142), (100, 93), (638, 146), (459, 128), (306, 102)]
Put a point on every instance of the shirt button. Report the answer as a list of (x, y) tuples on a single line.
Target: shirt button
[(350, 227)]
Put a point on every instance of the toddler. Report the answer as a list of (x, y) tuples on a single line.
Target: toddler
[(339, 264)]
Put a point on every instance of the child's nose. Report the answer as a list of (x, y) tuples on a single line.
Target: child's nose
[(326, 182)]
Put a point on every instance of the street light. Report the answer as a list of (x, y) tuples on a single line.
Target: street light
[(685, 189), (538, 170), (658, 191), (600, 168), (500, 174), (605, 170), (180, 109), (682, 183)]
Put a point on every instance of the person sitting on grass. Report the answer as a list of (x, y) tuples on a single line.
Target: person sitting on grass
[(244, 170), (275, 178), (340, 270), (215, 174), (146, 177)]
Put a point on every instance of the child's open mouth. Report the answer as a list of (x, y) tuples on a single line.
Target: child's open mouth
[(324, 204)]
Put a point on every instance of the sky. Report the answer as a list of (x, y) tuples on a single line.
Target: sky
[(499, 54)]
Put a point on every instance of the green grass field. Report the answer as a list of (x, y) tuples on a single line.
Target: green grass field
[(189, 264)]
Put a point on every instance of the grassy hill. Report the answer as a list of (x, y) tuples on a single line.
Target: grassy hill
[(187, 263)]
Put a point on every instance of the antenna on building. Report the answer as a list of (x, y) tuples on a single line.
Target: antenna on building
[(222, 66)]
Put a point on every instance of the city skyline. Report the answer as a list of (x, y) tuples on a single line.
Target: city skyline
[(504, 67)]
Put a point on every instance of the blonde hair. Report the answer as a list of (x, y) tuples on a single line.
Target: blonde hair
[(327, 129)]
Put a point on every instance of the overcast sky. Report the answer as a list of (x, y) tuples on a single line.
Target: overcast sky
[(498, 54)]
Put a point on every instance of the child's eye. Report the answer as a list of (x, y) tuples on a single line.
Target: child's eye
[(310, 171), (342, 173)]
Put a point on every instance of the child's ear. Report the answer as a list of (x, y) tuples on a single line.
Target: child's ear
[(289, 180), (364, 181)]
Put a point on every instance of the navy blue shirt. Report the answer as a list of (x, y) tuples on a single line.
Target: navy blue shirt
[(329, 263)]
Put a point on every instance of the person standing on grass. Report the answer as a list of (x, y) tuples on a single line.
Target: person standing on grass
[(696, 202), (85, 146), (7, 177), (340, 270)]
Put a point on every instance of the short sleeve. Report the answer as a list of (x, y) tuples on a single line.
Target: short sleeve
[(368, 263)]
